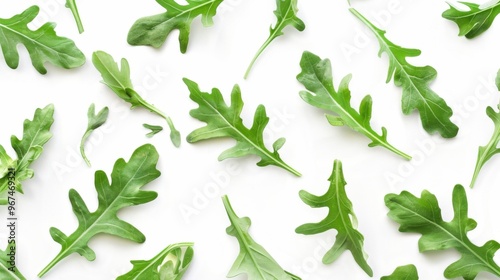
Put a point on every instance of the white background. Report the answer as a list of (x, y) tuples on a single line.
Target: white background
[(217, 57)]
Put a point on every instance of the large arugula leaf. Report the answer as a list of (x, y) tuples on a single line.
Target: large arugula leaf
[(485, 153), (225, 121), (286, 15), (94, 122), (423, 215), (71, 4), (154, 30), (125, 190), (340, 217), (253, 260), (407, 272), (118, 80), (435, 114), (316, 76), (6, 272), (475, 21), (35, 135), (169, 264), (43, 44)]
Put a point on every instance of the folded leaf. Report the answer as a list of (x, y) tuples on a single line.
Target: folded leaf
[(423, 215), (125, 190), (485, 153), (71, 4), (407, 272), (253, 260), (7, 270), (154, 30), (35, 135), (225, 122), (435, 114), (94, 122), (316, 76), (118, 80), (475, 21), (286, 14), (155, 129), (43, 44), (169, 264), (340, 217)]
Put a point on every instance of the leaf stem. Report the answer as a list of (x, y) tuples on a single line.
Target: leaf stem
[(259, 52), (71, 4), (82, 147), (57, 259), (396, 151)]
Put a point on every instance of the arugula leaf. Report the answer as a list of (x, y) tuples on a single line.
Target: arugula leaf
[(407, 272), (155, 129), (316, 76), (475, 21), (154, 30), (95, 121), (5, 268), (253, 260), (71, 4), (340, 217), (118, 80), (43, 44), (125, 190), (423, 215), (286, 14), (485, 153), (225, 121), (36, 133), (435, 114), (176, 264)]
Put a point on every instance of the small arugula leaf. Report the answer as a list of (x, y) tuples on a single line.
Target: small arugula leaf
[(43, 44), (286, 14), (435, 114), (155, 129), (118, 80), (316, 76), (71, 4), (340, 217), (225, 121), (423, 215), (8, 271), (253, 260), (94, 122), (407, 272), (485, 153), (154, 30), (169, 264), (125, 190), (35, 135), (475, 21)]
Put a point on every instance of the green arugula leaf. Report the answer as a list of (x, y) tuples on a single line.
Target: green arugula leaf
[(253, 260), (340, 217), (435, 114), (485, 153), (94, 122), (176, 264), (125, 190), (475, 21), (6, 270), (423, 215), (71, 4), (225, 121), (286, 14), (118, 80), (316, 76), (155, 129), (36, 134), (43, 44), (154, 30), (407, 272)]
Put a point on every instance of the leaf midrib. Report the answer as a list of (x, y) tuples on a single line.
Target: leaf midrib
[(40, 128), (452, 236), (188, 11), (492, 7)]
